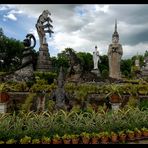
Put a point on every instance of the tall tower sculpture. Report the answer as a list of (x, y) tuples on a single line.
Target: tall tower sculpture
[(43, 26), (115, 53)]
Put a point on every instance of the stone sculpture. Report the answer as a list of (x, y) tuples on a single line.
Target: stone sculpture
[(115, 53), (96, 58), (43, 26), (25, 71), (145, 68), (59, 95), (75, 70)]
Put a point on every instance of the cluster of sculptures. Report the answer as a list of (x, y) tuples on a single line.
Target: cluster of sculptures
[(75, 71)]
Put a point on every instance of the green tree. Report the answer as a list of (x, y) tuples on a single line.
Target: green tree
[(86, 60), (103, 65)]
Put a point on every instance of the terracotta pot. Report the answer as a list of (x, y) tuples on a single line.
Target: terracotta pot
[(75, 141), (55, 141), (131, 136), (122, 138), (67, 141), (4, 97), (114, 138), (138, 135), (114, 98), (104, 140), (94, 140), (145, 133), (85, 140)]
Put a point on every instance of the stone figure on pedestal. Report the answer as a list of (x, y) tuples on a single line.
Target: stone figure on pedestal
[(43, 26), (43, 23), (96, 58), (115, 52)]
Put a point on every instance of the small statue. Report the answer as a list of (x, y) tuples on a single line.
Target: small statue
[(96, 58)]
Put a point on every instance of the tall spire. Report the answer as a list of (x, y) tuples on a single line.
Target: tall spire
[(115, 36), (115, 25)]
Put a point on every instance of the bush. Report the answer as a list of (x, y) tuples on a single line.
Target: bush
[(47, 76), (143, 105)]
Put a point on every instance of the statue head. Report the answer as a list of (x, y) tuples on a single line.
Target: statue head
[(46, 13)]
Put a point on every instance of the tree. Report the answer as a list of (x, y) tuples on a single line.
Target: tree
[(103, 65), (126, 67), (86, 60)]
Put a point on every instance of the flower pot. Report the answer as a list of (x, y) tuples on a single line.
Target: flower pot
[(131, 136), (75, 141), (145, 133), (85, 140), (114, 138), (122, 138), (138, 135), (67, 141), (115, 98), (104, 140), (94, 140), (55, 141)]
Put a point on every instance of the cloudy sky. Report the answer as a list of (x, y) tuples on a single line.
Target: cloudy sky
[(81, 26)]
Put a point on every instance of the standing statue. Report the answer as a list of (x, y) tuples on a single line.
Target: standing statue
[(115, 52), (43, 26), (96, 58)]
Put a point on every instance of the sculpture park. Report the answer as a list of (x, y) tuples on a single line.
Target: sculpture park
[(74, 98)]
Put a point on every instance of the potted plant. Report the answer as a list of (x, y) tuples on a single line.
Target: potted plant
[(130, 134), (95, 138), (144, 132), (114, 137), (25, 140), (45, 140), (36, 141), (122, 136), (66, 139), (11, 141), (56, 139), (138, 133), (114, 94), (104, 137), (74, 139), (85, 137)]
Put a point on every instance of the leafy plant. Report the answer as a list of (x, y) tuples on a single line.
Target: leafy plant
[(35, 141), (45, 140), (25, 140), (11, 141)]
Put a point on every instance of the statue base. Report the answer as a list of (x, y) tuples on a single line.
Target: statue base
[(96, 72), (44, 64)]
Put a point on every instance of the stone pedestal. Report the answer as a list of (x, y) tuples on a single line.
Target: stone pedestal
[(96, 72), (115, 106), (3, 107), (145, 70), (44, 64)]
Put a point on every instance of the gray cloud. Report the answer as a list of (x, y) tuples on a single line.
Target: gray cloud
[(83, 26)]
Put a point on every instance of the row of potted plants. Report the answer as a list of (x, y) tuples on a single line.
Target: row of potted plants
[(86, 138)]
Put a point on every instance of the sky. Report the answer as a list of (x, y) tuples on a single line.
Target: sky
[(81, 26)]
